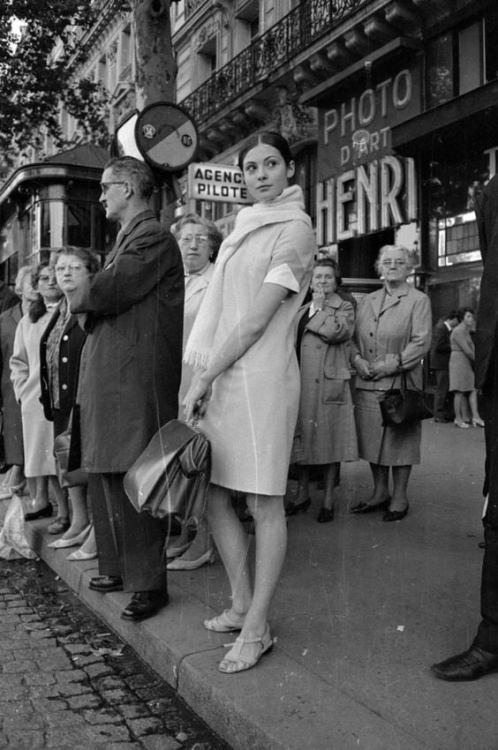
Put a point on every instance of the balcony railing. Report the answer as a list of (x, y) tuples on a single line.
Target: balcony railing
[(283, 41)]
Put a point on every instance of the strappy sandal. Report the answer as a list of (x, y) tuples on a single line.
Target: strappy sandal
[(227, 622), (234, 662)]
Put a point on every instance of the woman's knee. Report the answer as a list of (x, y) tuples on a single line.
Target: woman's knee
[(266, 508)]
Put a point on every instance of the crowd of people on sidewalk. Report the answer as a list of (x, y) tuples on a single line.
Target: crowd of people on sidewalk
[(250, 338)]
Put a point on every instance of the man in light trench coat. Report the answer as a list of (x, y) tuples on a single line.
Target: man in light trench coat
[(129, 380)]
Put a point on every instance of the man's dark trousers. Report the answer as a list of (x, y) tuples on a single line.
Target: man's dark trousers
[(487, 634), (122, 535), (442, 409)]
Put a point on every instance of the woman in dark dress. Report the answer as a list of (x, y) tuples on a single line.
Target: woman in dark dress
[(60, 353)]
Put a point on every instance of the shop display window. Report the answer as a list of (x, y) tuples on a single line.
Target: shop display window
[(458, 240), (452, 190)]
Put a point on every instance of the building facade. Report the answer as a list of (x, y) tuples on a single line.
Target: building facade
[(389, 106)]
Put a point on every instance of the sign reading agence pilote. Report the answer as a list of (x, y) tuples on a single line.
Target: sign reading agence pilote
[(216, 182)]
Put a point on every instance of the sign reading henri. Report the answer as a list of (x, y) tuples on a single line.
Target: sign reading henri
[(364, 187), (166, 136), (216, 182)]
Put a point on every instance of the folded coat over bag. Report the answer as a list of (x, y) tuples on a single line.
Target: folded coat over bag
[(172, 474)]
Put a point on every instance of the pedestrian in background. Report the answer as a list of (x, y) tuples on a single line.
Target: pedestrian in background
[(199, 241), (11, 410), (247, 389), (129, 379), (482, 656), (393, 334), (462, 380), (326, 432), (439, 362), (38, 436)]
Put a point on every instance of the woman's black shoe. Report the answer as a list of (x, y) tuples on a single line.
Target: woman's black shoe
[(369, 508), (395, 515), (45, 512), (294, 508), (325, 515)]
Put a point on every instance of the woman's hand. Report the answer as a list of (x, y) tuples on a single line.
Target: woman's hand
[(379, 369), (318, 298), (362, 367), (196, 401)]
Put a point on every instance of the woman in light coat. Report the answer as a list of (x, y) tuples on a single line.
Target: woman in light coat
[(393, 334), (38, 436), (326, 433), (199, 241)]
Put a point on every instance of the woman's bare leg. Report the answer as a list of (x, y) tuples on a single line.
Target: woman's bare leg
[(232, 543)]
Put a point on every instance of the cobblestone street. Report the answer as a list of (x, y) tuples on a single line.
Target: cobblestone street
[(67, 682)]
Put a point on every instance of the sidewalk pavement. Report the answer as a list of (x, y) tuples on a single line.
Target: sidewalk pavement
[(362, 610)]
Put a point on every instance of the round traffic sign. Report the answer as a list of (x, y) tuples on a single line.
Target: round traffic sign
[(166, 136)]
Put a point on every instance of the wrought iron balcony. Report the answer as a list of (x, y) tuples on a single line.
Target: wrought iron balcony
[(293, 34)]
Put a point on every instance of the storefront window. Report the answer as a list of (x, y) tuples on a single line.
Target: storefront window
[(79, 225), (452, 190)]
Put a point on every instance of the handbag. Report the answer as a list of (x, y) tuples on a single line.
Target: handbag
[(403, 406), (67, 451), (171, 476)]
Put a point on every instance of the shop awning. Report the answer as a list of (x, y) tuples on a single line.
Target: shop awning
[(466, 123)]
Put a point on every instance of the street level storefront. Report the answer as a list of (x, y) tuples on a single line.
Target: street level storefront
[(50, 204), (455, 146), (367, 196)]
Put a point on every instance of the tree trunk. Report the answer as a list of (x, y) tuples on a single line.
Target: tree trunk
[(155, 72), (155, 61)]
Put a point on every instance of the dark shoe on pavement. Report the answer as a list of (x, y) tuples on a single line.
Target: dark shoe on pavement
[(325, 515), (470, 665), (395, 515), (369, 507), (104, 584), (45, 512), (144, 604)]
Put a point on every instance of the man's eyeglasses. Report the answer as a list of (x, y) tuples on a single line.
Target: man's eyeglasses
[(73, 267), (104, 186), (202, 239)]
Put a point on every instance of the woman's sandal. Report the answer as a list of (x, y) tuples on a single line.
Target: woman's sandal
[(234, 661), (227, 622)]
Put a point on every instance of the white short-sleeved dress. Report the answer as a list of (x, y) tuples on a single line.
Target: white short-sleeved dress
[(251, 417)]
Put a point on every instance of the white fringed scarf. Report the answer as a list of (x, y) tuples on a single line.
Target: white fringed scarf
[(288, 206)]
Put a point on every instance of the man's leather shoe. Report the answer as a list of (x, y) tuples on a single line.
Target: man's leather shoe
[(144, 604), (104, 584), (470, 665)]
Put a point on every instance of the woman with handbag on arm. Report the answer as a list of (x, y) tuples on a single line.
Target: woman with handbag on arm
[(60, 353), (393, 334), (246, 392)]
